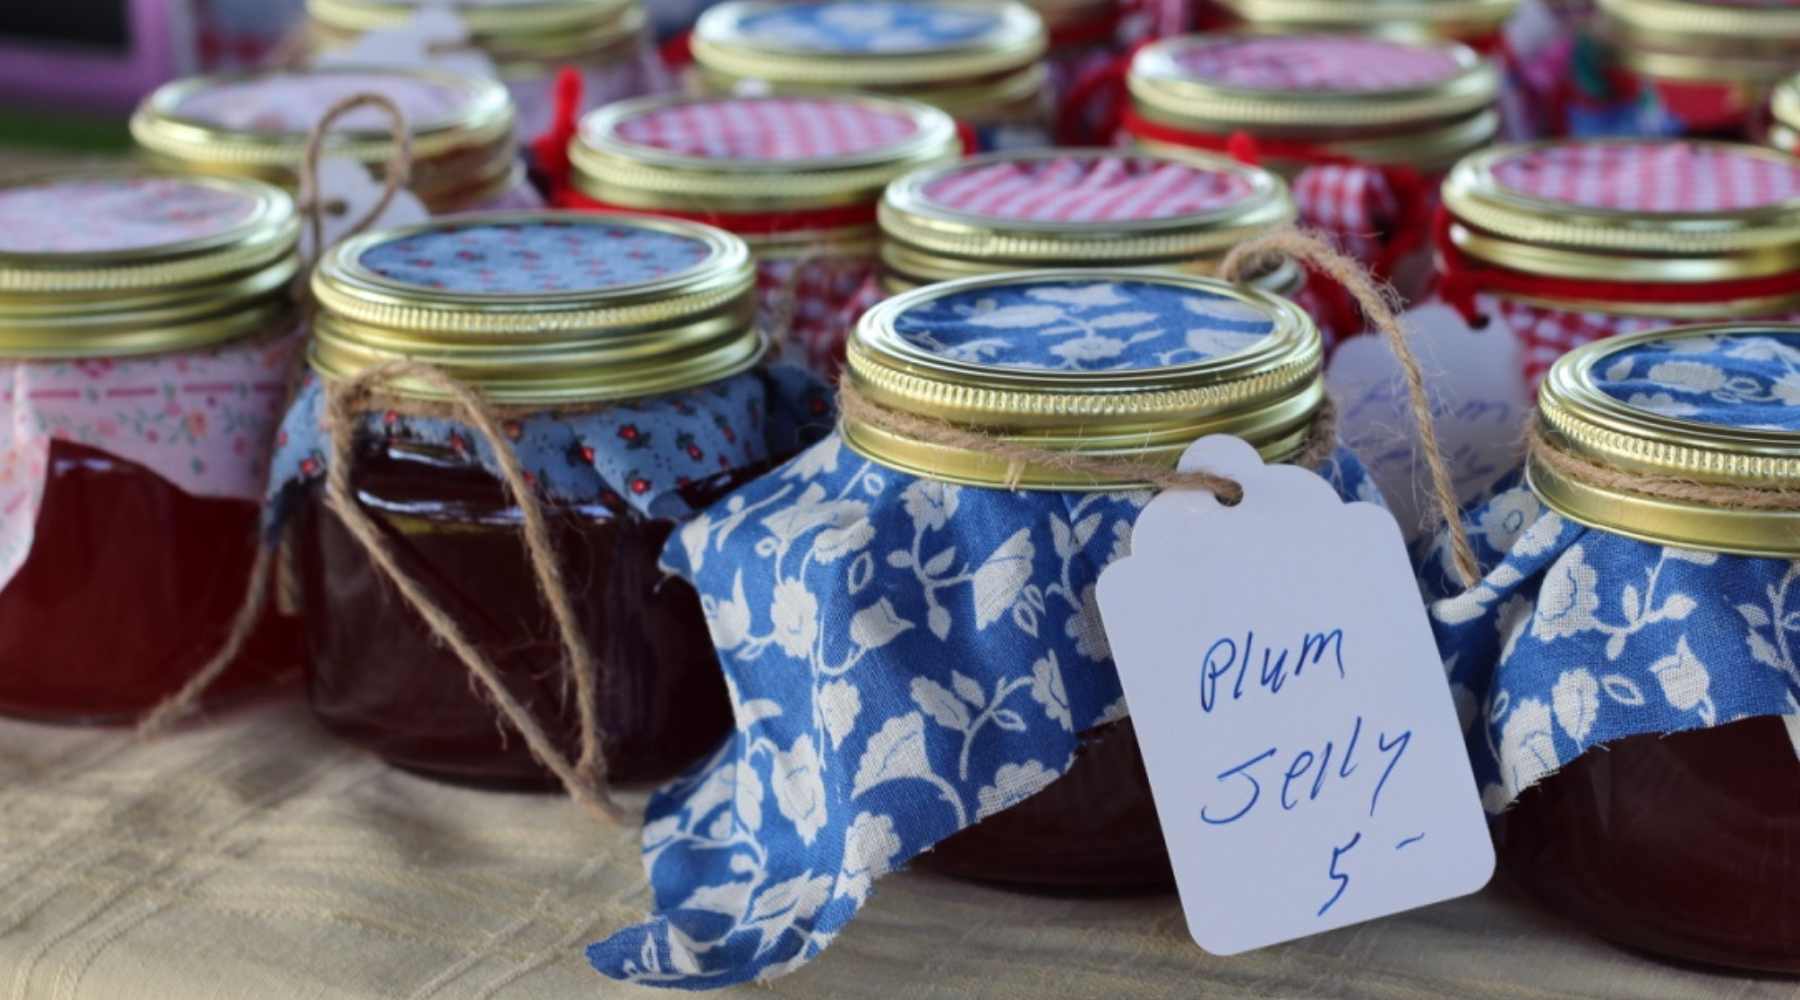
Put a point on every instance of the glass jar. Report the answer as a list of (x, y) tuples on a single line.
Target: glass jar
[(1568, 242), (1082, 35), (1079, 208), (798, 178), (147, 334), (1707, 65), (605, 40), (981, 61), (621, 354), (465, 156), (1362, 126), (1646, 783)]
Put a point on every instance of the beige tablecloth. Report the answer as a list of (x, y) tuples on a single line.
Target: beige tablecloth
[(254, 857)]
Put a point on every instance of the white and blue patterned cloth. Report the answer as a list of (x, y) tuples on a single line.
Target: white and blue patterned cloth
[(535, 257), (905, 657), (1088, 326), (861, 27), (1577, 637)]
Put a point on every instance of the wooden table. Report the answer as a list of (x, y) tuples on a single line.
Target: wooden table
[(253, 856)]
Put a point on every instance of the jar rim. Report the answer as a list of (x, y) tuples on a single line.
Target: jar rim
[(911, 216), (1266, 392), (1412, 19), (543, 28), (616, 342), (1163, 91), (181, 294), (484, 121), (1500, 225), (617, 171), (1576, 416), (723, 47)]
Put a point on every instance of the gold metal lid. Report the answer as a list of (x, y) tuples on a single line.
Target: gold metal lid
[(1638, 405), (1104, 363), (757, 154), (541, 308), (1691, 40), (1449, 81), (126, 263), (256, 125), (1180, 212), (1503, 212), (1414, 20), (506, 29), (867, 44)]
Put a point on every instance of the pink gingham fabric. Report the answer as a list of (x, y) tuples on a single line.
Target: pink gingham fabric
[(1651, 177), (1352, 203), (1648, 177), (807, 303), (1319, 63), (1086, 189), (776, 128)]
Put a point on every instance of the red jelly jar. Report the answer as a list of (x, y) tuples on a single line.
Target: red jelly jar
[(146, 332), (622, 359)]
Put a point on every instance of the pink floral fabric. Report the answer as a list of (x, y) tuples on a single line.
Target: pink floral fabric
[(203, 420)]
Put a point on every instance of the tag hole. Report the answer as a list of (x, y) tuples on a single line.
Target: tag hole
[(1231, 499), (337, 208), (1480, 322)]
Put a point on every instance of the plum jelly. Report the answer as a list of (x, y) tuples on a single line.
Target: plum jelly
[(131, 585), (624, 355), (379, 678), (1685, 845), (146, 336)]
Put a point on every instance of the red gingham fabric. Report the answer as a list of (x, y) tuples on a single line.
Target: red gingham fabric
[(1351, 203), (771, 128), (1086, 189), (1331, 63), (808, 305), (1650, 176)]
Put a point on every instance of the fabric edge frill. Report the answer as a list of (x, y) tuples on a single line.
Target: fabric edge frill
[(632, 456), (1575, 638), (945, 677)]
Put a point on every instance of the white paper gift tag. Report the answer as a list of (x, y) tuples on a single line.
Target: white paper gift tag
[(348, 192), (1479, 399), (1304, 752), (434, 37)]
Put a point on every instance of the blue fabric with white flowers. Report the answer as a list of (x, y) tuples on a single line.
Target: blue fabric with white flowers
[(1083, 326), (1576, 637), (628, 457), (535, 257), (862, 27), (905, 657)]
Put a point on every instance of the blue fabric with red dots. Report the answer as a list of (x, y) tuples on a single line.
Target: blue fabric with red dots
[(514, 258), (619, 459)]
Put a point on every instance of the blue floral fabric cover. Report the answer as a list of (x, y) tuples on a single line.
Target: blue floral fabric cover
[(1577, 636), (906, 657), (633, 456)]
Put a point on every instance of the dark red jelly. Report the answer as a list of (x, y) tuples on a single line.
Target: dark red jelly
[(1092, 830), (378, 677), (1686, 845), (131, 586)]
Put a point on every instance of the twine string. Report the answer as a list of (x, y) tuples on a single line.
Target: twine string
[(585, 778), (1717, 495), (1379, 307), (267, 567), (396, 175)]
